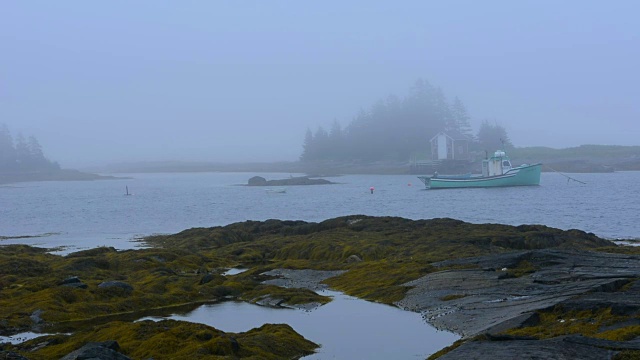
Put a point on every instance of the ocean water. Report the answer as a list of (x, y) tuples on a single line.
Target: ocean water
[(80, 215)]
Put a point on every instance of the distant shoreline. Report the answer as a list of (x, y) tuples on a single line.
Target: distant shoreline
[(352, 167), (55, 175)]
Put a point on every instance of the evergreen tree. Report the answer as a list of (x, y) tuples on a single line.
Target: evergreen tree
[(322, 144), (23, 155), (7, 150), (336, 140), (392, 129), (35, 151), (461, 118), (307, 147), (493, 137)]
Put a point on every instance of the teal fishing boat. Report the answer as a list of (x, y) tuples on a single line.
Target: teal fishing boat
[(496, 172)]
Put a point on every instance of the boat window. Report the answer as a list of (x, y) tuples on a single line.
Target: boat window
[(506, 163)]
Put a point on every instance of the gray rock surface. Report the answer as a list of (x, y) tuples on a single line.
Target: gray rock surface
[(107, 350), (10, 355), (473, 301), (557, 348), (304, 279), (73, 282)]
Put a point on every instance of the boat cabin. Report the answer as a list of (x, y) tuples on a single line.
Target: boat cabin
[(450, 145), (498, 164)]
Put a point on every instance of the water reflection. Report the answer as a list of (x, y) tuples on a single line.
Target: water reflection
[(20, 338), (234, 271), (347, 327)]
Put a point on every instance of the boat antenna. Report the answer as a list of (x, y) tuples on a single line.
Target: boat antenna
[(569, 178)]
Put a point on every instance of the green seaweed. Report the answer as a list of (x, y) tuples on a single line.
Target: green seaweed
[(170, 339)]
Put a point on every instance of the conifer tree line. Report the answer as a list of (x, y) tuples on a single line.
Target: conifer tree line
[(23, 154), (397, 129)]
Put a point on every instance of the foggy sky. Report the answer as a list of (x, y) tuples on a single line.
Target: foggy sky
[(100, 82)]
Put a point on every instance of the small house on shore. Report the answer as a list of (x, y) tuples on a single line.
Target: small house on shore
[(450, 145)]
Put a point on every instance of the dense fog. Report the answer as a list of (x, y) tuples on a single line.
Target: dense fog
[(102, 82)]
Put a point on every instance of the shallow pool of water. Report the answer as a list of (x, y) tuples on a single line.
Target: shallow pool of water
[(20, 338), (234, 271), (346, 328)]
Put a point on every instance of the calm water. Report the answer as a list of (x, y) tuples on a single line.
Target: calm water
[(79, 215), (88, 214), (347, 328)]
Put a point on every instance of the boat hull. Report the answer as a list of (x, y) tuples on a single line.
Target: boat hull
[(528, 175)]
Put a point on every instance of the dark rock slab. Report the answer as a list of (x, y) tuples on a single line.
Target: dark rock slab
[(107, 350), (10, 355), (556, 348), (70, 280), (484, 299), (305, 279), (73, 282)]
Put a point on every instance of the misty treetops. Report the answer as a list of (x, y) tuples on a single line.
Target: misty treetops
[(399, 129), (23, 154)]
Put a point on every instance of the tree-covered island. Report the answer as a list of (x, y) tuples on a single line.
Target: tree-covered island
[(396, 132), (23, 159)]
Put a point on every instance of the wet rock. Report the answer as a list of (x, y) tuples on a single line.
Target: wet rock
[(575, 279), (10, 355), (107, 350), (35, 316), (73, 282), (206, 279), (70, 280), (270, 301), (564, 348), (306, 279), (257, 181), (235, 346)]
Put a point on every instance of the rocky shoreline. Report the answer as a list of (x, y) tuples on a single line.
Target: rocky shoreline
[(489, 300), (530, 290)]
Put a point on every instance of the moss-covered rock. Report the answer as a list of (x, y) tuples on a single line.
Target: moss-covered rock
[(170, 339)]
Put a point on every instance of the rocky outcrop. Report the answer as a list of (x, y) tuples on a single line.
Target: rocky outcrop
[(293, 181), (560, 348), (305, 279), (10, 355), (485, 300), (73, 282), (107, 350)]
